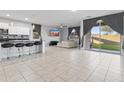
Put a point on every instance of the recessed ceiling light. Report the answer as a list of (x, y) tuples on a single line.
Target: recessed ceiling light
[(8, 15), (26, 19)]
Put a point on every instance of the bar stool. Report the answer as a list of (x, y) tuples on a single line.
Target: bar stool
[(29, 45), (37, 43), (19, 45), (8, 47)]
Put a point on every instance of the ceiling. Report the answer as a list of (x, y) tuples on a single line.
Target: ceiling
[(55, 17)]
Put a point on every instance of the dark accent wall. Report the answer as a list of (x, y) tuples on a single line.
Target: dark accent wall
[(115, 21), (76, 28)]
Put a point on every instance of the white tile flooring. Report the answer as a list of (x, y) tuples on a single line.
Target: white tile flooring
[(63, 65)]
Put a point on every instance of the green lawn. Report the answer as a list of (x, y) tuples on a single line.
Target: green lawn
[(107, 47)]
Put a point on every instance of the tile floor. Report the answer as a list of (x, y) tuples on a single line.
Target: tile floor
[(63, 65)]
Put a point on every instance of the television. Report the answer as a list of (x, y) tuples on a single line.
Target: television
[(54, 32)]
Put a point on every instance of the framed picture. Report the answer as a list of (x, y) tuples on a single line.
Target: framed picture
[(54, 32)]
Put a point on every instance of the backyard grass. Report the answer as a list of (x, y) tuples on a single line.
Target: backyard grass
[(107, 47)]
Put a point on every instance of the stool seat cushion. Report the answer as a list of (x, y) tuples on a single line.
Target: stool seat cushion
[(19, 45), (29, 44), (7, 45), (37, 43)]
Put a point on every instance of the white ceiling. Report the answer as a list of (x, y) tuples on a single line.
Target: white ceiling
[(54, 17)]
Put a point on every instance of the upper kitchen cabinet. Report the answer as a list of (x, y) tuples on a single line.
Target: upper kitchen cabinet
[(4, 25), (19, 31)]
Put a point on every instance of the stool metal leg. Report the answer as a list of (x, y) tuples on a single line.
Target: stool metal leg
[(7, 53), (19, 52), (36, 49), (22, 50), (29, 51)]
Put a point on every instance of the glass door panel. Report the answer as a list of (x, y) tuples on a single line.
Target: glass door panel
[(105, 40), (95, 38), (110, 41)]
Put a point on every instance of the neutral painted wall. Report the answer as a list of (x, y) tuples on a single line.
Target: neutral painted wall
[(63, 34), (87, 41), (81, 33)]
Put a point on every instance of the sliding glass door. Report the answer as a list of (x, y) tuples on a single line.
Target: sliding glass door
[(95, 38), (105, 40)]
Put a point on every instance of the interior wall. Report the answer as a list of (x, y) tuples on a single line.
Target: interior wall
[(81, 33), (87, 41), (45, 35), (63, 34), (115, 21)]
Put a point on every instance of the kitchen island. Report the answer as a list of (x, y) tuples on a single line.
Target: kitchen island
[(18, 51)]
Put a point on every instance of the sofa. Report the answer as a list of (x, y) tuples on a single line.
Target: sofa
[(68, 44)]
